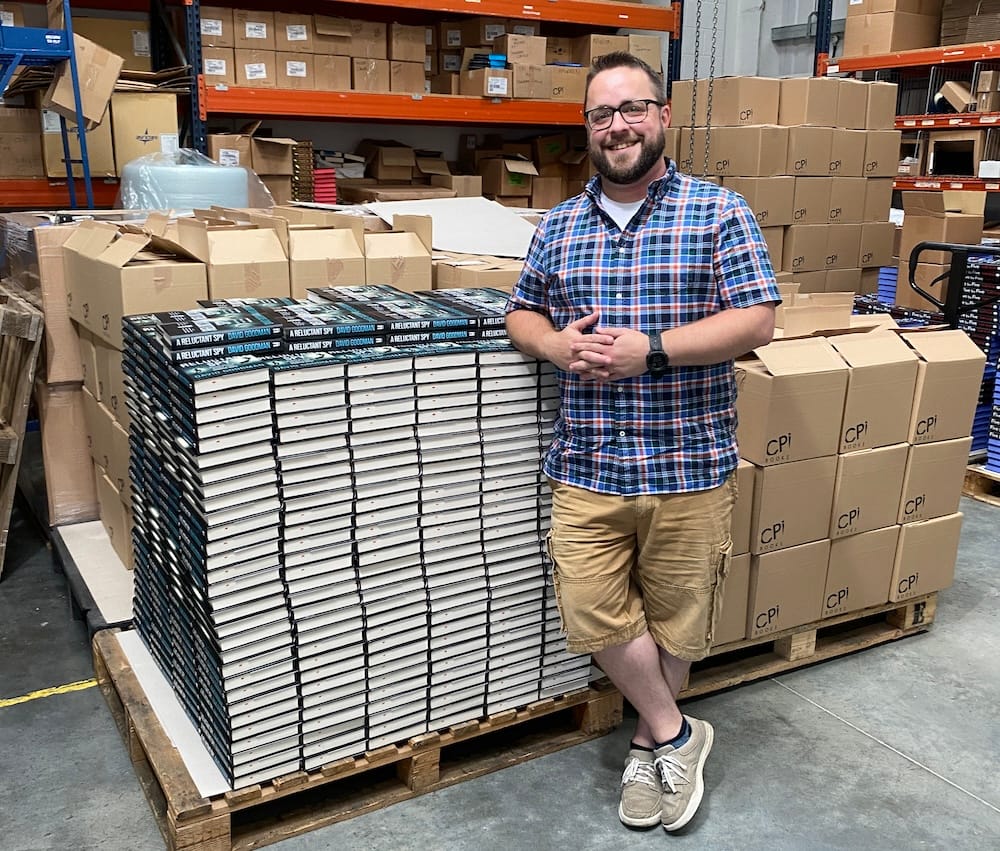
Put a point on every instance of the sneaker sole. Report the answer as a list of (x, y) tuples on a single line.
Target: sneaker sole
[(649, 821), (699, 783)]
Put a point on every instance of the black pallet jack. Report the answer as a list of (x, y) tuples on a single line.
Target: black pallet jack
[(951, 306)]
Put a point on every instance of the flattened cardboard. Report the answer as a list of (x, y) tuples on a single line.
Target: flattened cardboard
[(933, 480), (925, 557), (97, 72), (867, 491), (859, 571)]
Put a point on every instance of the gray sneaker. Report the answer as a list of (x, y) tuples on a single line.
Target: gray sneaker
[(641, 791), (681, 772)]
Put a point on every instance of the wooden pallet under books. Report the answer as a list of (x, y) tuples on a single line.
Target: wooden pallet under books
[(21, 327), (982, 484), (297, 803)]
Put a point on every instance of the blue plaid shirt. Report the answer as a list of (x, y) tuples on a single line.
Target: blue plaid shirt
[(692, 250)]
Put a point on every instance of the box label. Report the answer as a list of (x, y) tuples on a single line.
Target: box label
[(6, 19), (140, 43), (215, 67), (296, 32), (295, 69), (453, 38), (50, 122), (451, 63), (427, 65), (229, 156), (523, 29), (492, 31), (211, 27), (256, 71), (169, 143), (256, 30), (496, 85)]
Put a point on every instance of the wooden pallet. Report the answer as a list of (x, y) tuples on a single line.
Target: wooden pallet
[(21, 327), (982, 484), (291, 805), (754, 659)]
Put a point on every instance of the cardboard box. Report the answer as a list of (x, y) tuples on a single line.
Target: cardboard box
[(805, 248), (988, 102), (69, 472), (867, 491), (521, 49), (786, 588), (279, 186), (792, 503), (332, 73), (869, 281), (771, 199), (507, 176), (465, 271), (218, 64), (407, 44), (568, 84), (843, 281), (558, 49), (388, 162), (989, 80), (401, 257), (809, 151), (486, 82), (11, 15), (482, 30), (873, 7), (295, 71), (959, 95), (549, 148), (253, 30), (736, 101), (587, 48), (843, 246), (293, 33), (808, 101), (112, 274), (954, 153), (100, 149), (882, 153), (737, 151), (21, 150), (648, 48), (811, 200), (806, 313), (143, 123), (272, 155), (369, 40), (847, 153), (880, 387), (128, 39), (88, 362), (217, 27), (949, 377), (847, 200), (519, 26), (450, 35), (732, 620), (790, 402), (546, 192), (230, 149), (925, 557), (880, 113), (852, 104), (930, 277), (877, 239), (406, 76), (775, 241), (239, 262), (256, 69), (531, 82), (370, 75), (878, 198), (933, 480), (114, 520), (444, 84), (326, 257), (465, 185), (859, 571), (950, 217), (889, 32), (331, 36), (97, 72), (743, 510)]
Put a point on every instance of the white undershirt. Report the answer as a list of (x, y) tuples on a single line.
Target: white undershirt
[(621, 213)]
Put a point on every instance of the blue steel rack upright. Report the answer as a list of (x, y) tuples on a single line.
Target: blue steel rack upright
[(44, 46)]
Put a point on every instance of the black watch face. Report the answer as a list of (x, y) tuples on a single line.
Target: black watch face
[(657, 362)]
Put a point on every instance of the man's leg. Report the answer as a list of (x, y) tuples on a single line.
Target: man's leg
[(674, 672)]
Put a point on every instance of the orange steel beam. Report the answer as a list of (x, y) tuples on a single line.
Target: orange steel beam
[(39, 193), (924, 56)]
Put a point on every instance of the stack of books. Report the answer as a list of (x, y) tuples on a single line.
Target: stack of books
[(324, 186), (340, 549)]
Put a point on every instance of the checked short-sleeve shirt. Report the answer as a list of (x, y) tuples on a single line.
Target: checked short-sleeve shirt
[(692, 250)]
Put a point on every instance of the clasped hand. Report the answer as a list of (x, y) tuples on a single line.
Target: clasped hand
[(596, 353)]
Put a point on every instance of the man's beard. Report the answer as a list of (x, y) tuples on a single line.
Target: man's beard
[(650, 152)]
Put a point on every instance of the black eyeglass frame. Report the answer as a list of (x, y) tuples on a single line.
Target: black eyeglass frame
[(647, 101)]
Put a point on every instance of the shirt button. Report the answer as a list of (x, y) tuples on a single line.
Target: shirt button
[(621, 434), (620, 389), (618, 295)]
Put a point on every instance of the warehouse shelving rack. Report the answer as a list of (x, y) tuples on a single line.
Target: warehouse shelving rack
[(42, 46)]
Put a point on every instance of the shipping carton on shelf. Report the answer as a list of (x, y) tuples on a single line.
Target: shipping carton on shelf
[(925, 557), (949, 378), (859, 571), (889, 32), (401, 257), (933, 479), (790, 401), (507, 176), (126, 38)]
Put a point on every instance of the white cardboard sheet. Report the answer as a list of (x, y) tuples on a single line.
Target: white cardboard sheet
[(110, 583), (466, 225)]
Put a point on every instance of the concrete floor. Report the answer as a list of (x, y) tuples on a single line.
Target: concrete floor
[(895, 747)]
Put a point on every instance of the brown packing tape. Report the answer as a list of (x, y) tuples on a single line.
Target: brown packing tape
[(334, 268), (398, 268), (254, 277)]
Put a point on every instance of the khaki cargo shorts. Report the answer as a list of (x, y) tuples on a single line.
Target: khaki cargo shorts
[(623, 565)]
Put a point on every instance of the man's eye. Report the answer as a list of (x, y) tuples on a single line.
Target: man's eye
[(601, 114), (634, 108)]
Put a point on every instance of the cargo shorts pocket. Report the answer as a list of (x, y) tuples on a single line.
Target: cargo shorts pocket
[(721, 572)]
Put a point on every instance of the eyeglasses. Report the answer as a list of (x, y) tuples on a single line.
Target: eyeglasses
[(632, 111)]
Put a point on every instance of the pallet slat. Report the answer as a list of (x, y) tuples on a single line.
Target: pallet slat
[(289, 806), (982, 484)]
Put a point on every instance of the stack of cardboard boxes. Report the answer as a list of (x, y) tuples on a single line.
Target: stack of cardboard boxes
[(858, 444), (876, 27), (815, 159)]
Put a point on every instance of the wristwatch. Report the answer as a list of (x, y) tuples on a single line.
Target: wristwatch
[(657, 361)]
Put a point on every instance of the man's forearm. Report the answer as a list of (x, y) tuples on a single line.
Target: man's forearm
[(528, 331), (720, 337)]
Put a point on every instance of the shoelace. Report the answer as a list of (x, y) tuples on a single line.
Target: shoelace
[(672, 771), (637, 771)]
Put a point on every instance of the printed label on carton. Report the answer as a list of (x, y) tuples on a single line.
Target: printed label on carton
[(256, 30), (211, 27), (296, 32), (215, 67), (295, 69), (229, 156), (140, 43), (256, 71), (496, 85)]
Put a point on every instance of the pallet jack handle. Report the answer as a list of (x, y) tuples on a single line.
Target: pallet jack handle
[(951, 306)]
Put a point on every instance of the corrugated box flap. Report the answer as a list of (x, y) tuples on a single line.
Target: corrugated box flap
[(124, 249), (397, 156), (260, 140), (432, 165), (799, 357), (91, 238), (923, 204), (970, 203), (520, 166), (245, 246), (945, 346), (325, 25), (879, 347)]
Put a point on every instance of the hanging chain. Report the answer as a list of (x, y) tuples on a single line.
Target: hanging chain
[(694, 84), (711, 82)]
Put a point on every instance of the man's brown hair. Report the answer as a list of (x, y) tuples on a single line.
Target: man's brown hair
[(621, 59)]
